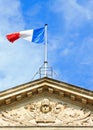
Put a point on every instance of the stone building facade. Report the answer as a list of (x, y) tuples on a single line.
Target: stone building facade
[(46, 102)]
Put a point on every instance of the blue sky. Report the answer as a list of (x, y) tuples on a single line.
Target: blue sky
[(70, 41)]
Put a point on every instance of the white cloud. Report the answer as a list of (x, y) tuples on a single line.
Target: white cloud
[(85, 55), (18, 61), (74, 14), (65, 52), (10, 16)]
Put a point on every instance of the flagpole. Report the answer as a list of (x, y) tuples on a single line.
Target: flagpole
[(45, 52), (45, 70)]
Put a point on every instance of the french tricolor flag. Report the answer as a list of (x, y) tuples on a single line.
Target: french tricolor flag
[(33, 35)]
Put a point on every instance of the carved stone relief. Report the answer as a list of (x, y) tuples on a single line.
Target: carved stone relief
[(44, 113)]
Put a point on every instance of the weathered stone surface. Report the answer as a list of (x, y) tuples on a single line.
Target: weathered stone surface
[(46, 102), (45, 113)]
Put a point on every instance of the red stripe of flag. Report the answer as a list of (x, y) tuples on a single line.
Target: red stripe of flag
[(12, 37)]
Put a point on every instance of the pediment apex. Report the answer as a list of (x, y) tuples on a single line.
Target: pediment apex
[(49, 85)]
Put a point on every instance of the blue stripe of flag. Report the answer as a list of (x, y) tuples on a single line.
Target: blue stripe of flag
[(39, 35)]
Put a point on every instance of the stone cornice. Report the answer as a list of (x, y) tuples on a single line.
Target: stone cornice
[(64, 90)]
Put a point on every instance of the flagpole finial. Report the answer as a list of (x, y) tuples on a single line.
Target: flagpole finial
[(46, 24)]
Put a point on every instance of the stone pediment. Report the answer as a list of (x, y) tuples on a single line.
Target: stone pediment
[(46, 102), (45, 112)]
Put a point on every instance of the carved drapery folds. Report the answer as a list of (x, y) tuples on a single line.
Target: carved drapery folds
[(44, 113)]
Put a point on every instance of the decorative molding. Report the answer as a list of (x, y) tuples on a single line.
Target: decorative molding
[(29, 94), (46, 113), (18, 97), (40, 90), (62, 94), (8, 101), (73, 97), (50, 90), (84, 101), (52, 86)]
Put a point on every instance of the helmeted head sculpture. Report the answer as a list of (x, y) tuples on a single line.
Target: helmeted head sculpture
[(45, 106)]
